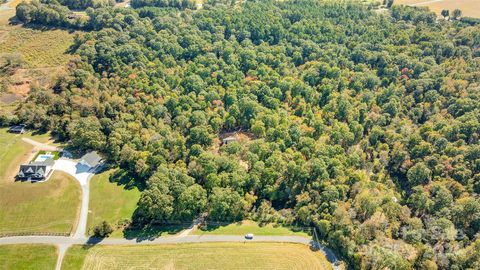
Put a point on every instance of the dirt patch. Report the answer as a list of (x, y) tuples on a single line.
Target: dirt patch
[(21, 89), (8, 98)]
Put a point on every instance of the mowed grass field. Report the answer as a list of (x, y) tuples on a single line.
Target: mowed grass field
[(110, 202), (470, 8), (25, 257), (14, 151), (248, 226), (196, 256), (48, 207), (26, 207)]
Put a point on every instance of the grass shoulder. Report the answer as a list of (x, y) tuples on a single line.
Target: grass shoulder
[(25, 257), (249, 226)]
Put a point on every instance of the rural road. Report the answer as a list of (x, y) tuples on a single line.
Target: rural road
[(63, 241)]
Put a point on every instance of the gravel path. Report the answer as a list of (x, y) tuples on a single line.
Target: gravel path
[(41, 146)]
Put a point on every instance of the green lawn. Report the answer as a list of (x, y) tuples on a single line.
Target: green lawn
[(248, 226), (35, 257), (196, 256), (13, 151), (110, 201), (50, 206)]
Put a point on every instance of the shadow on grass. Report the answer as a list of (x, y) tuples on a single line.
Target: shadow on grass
[(210, 226), (123, 178), (150, 232)]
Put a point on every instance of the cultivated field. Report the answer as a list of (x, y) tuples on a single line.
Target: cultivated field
[(469, 8), (196, 256), (109, 201), (25, 257), (248, 226), (48, 207)]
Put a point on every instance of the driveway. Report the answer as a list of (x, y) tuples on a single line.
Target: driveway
[(83, 175)]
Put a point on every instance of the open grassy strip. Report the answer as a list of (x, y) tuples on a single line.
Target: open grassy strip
[(110, 201), (46, 207), (469, 8), (13, 151), (196, 256), (248, 226), (35, 257)]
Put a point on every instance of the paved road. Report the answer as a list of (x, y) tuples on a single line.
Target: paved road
[(64, 242)]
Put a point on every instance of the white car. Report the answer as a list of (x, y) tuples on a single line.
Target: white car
[(249, 236)]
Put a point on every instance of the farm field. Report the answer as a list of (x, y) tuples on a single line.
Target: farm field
[(43, 53), (196, 256), (25, 257), (469, 8), (248, 226), (110, 201), (46, 207)]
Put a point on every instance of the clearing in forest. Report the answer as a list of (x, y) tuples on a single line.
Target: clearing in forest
[(196, 256), (470, 8)]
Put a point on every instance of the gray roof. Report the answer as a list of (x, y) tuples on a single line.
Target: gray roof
[(91, 159), (32, 171), (47, 162)]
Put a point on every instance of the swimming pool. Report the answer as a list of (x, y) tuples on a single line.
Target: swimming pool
[(43, 157)]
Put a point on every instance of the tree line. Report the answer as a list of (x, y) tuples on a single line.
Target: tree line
[(364, 125)]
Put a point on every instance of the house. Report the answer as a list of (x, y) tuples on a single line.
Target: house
[(91, 159), (36, 171), (228, 140), (20, 129)]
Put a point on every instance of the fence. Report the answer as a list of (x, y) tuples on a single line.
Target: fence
[(33, 234)]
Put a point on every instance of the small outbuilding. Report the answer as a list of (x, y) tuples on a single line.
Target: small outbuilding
[(19, 129), (91, 159), (228, 140)]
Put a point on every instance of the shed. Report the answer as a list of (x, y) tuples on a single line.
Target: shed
[(228, 140), (20, 129)]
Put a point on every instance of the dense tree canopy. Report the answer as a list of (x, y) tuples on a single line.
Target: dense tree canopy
[(361, 123)]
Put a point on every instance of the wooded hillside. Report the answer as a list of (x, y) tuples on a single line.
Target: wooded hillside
[(361, 123)]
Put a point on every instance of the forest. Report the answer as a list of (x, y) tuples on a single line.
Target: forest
[(359, 122)]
